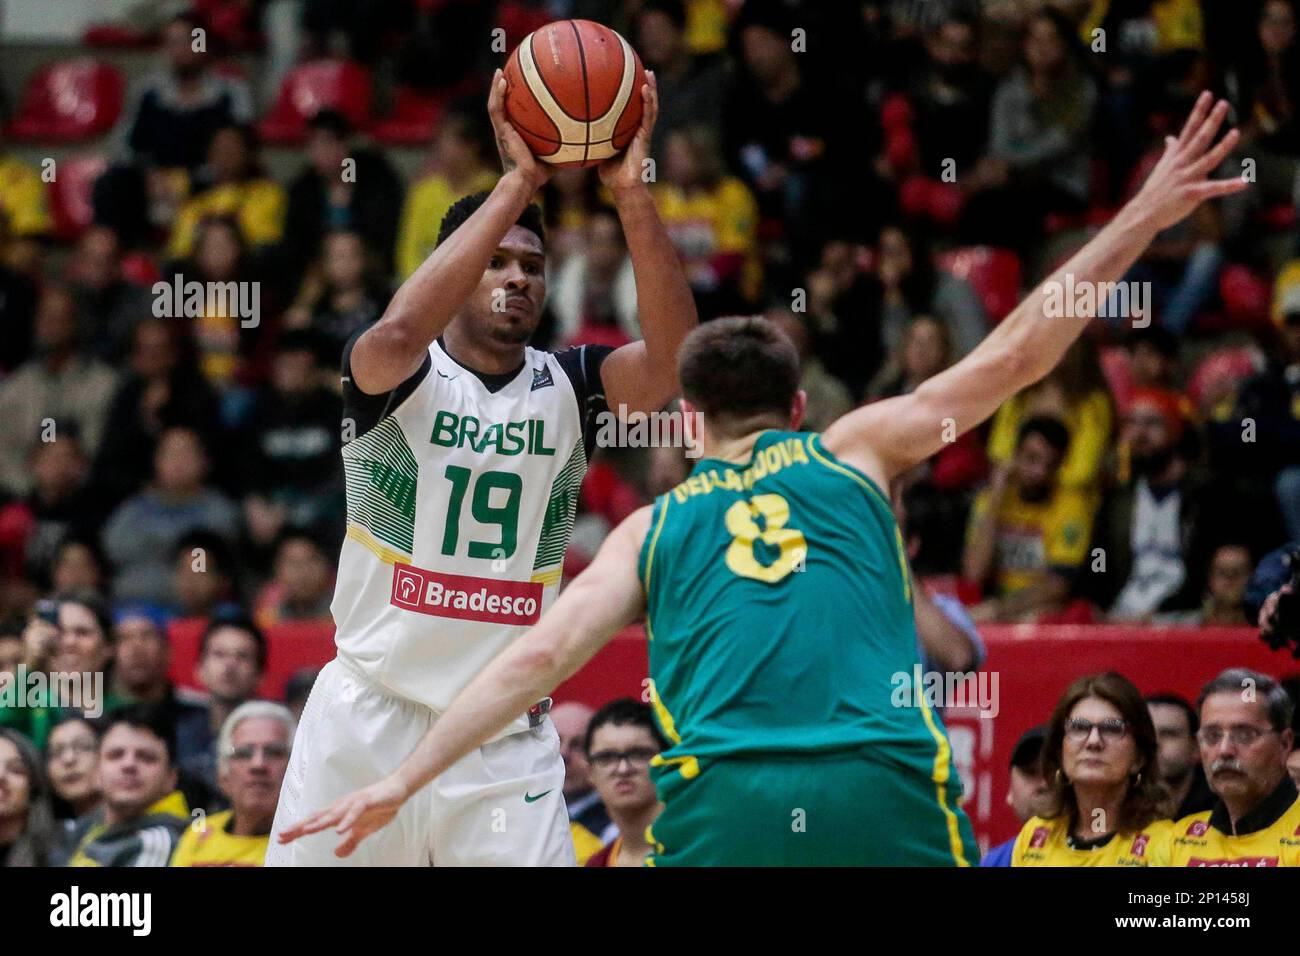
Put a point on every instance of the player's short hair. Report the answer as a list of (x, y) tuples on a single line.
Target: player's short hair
[(1177, 700), (240, 622), (462, 209), (1268, 693), (245, 711), (1051, 430), (621, 712), (739, 371)]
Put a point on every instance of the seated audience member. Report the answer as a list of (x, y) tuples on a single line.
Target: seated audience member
[(1180, 761), (202, 575), (303, 583), (298, 688), (28, 833), (1224, 601), (1245, 739), (588, 819), (72, 763), (691, 87), (143, 814), (78, 566), (1101, 763), (344, 292), (12, 651), (1029, 794), (108, 306), (141, 534), (593, 295), (828, 398), (232, 660), (253, 754), (1153, 357), (622, 739), (1027, 535)]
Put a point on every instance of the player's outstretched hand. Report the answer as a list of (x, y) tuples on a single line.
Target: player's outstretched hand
[(1180, 181), (515, 154), (625, 171), (355, 816)]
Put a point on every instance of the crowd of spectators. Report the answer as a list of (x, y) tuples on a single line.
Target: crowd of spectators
[(867, 174)]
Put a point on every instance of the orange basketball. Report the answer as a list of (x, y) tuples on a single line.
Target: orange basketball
[(573, 92)]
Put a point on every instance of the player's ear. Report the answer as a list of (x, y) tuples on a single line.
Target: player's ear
[(798, 409)]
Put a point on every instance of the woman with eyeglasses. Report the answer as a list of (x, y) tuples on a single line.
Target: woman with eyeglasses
[(72, 763), (1100, 763), (27, 829)]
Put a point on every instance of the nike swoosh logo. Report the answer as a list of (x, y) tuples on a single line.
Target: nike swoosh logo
[(529, 798), (452, 378)]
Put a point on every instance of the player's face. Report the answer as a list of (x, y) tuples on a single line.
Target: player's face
[(620, 766), (1177, 746), (73, 761), (1244, 772), (255, 766), (1099, 759), (507, 305), (1029, 795), (133, 770)]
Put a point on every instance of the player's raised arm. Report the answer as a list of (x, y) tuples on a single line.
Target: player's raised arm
[(599, 603), (891, 436), (643, 375), (394, 349)]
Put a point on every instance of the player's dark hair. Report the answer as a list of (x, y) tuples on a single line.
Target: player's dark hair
[(1146, 798), (462, 209), (739, 372), (240, 622), (621, 712), (147, 717), (1051, 430), (1176, 700)]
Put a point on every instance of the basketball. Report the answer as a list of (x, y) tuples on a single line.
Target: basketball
[(573, 92)]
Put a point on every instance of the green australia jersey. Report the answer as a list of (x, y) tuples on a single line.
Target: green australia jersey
[(779, 613)]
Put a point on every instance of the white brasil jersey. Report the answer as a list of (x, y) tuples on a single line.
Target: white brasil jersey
[(460, 502)]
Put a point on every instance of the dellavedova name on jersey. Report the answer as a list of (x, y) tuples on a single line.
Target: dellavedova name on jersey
[(527, 437)]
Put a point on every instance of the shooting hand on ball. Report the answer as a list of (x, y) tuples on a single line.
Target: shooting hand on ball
[(626, 171), (516, 157)]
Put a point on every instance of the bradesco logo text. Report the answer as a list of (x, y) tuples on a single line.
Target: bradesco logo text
[(466, 598), (527, 437)]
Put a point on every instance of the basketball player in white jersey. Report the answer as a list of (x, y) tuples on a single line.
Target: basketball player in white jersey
[(463, 471)]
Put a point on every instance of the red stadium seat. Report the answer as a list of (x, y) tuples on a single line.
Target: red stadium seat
[(1246, 297), (335, 84), (993, 273), (68, 102), (70, 194), (414, 118), (119, 37), (140, 268)]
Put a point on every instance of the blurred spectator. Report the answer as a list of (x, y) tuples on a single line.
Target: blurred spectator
[(1181, 772), (593, 294), (108, 307), (1153, 357), (712, 220), (168, 130), (24, 219), (298, 688), (12, 651), (32, 528), (1224, 601), (828, 399), (143, 814), (1074, 393), (589, 821), (911, 285), (203, 574), (72, 763), (346, 292), (622, 739), (1028, 534), (27, 828), (78, 566), (568, 198), (232, 183), (303, 583), (162, 389), (141, 534), (923, 351), (232, 660), (17, 310), (691, 88), (59, 386), (1101, 762), (1028, 793), (253, 753), (343, 186), (1038, 160), (459, 166)]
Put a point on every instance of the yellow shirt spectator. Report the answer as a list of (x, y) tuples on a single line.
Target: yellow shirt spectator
[(422, 214), (214, 845), (585, 843), (22, 198), (1090, 422), (1048, 843), (711, 224), (1178, 25), (1035, 537), (1204, 839), (258, 205)]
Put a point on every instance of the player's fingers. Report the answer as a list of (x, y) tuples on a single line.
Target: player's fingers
[(1211, 160), (349, 845), (1204, 136), (496, 95), (1196, 117), (1213, 188), (350, 817), (650, 95), (313, 824)]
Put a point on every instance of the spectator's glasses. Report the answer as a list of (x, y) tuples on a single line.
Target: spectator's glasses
[(1241, 735), (249, 751), (1111, 729), (72, 748), (638, 758)]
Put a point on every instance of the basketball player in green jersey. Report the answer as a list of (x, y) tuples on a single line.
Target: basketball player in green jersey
[(776, 595)]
